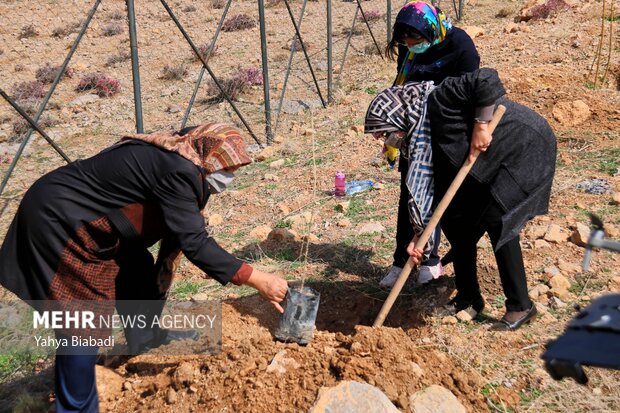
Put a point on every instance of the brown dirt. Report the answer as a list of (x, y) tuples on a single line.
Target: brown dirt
[(542, 63)]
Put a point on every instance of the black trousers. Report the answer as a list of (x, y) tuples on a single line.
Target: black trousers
[(473, 212), (404, 229)]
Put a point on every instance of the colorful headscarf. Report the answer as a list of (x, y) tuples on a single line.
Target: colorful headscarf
[(404, 108), (212, 146), (427, 19)]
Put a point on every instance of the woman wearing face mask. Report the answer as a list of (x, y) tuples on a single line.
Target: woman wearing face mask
[(428, 47), (82, 232)]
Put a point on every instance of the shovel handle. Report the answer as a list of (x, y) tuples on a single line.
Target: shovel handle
[(432, 224)]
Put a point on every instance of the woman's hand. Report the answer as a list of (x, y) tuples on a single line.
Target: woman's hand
[(480, 139), (271, 287), (415, 253)]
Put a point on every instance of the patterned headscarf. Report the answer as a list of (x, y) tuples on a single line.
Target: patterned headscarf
[(212, 146), (427, 19), (404, 108)]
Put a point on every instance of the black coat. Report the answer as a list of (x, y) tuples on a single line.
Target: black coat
[(519, 165), (454, 56), (168, 190)]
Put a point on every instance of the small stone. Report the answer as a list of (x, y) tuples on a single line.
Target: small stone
[(280, 363), (542, 309), (357, 128), (541, 243), (344, 223), (551, 272), (435, 399), (271, 177), (308, 132), (193, 389), (555, 302), (261, 232), (612, 231), (615, 198), (449, 320), (378, 185), (537, 231), (417, 370), (538, 290), (283, 208), (277, 164), (278, 139), (200, 297), (554, 234), (580, 235), (559, 282), (171, 396), (266, 153), (597, 391), (174, 109), (215, 219), (371, 228), (127, 386), (466, 315), (343, 206), (568, 268)]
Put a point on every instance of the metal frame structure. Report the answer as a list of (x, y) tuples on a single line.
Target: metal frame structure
[(133, 39)]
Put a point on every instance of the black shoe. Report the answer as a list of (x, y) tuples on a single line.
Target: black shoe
[(458, 304), (505, 324)]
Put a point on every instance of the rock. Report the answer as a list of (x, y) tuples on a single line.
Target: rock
[(541, 243), (466, 315), (357, 128), (174, 109), (580, 235), (277, 164), (371, 228), (183, 375), (278, 139), (282, 235), (343, 206), (449, 320), (344, 223), (417, 370), (280, 363), (568, 268), (283, 208), (614, 284), (571, 113), (378, 185), (595, 186), (559, 283), (542, 309), (473, 31), (352, 397), (511, 28), (301, 221), (215, 219), (554, 234), (612, 231), (84, 100), (308, 132), (555, 302), (171, 396), (538, 290), (271, 177), (266, 153), (261, 232), (551, 271), (200, 297), (615, 198), (537, 231), (127, 386), (310, 238), (435, 399)]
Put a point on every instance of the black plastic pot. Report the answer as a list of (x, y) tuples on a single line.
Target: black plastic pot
[(297, 322)]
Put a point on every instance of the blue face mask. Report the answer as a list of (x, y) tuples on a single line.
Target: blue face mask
[(419, 48)]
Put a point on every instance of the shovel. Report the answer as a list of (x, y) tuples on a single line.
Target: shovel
[(441, 208)]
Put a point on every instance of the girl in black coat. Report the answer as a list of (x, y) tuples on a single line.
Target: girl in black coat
[(429, 48)]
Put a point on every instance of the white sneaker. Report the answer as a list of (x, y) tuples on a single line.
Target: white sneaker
[(429, 272), (390, 279)]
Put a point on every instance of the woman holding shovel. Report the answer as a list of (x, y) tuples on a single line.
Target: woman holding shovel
[(427, 47), (82, 232), (509, 184)]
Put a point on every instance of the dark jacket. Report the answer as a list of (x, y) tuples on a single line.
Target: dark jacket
[(146, 192), (520, 163), (454, 56)]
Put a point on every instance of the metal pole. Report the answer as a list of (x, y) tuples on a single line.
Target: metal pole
[(460, 16), (369, 29), (264, 58), (202, 68), (204, 62), (346, 48), (288, 69), (330, 92), (34, 125), (135, 65), (47, 97), (303, 48), (388, 21)]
